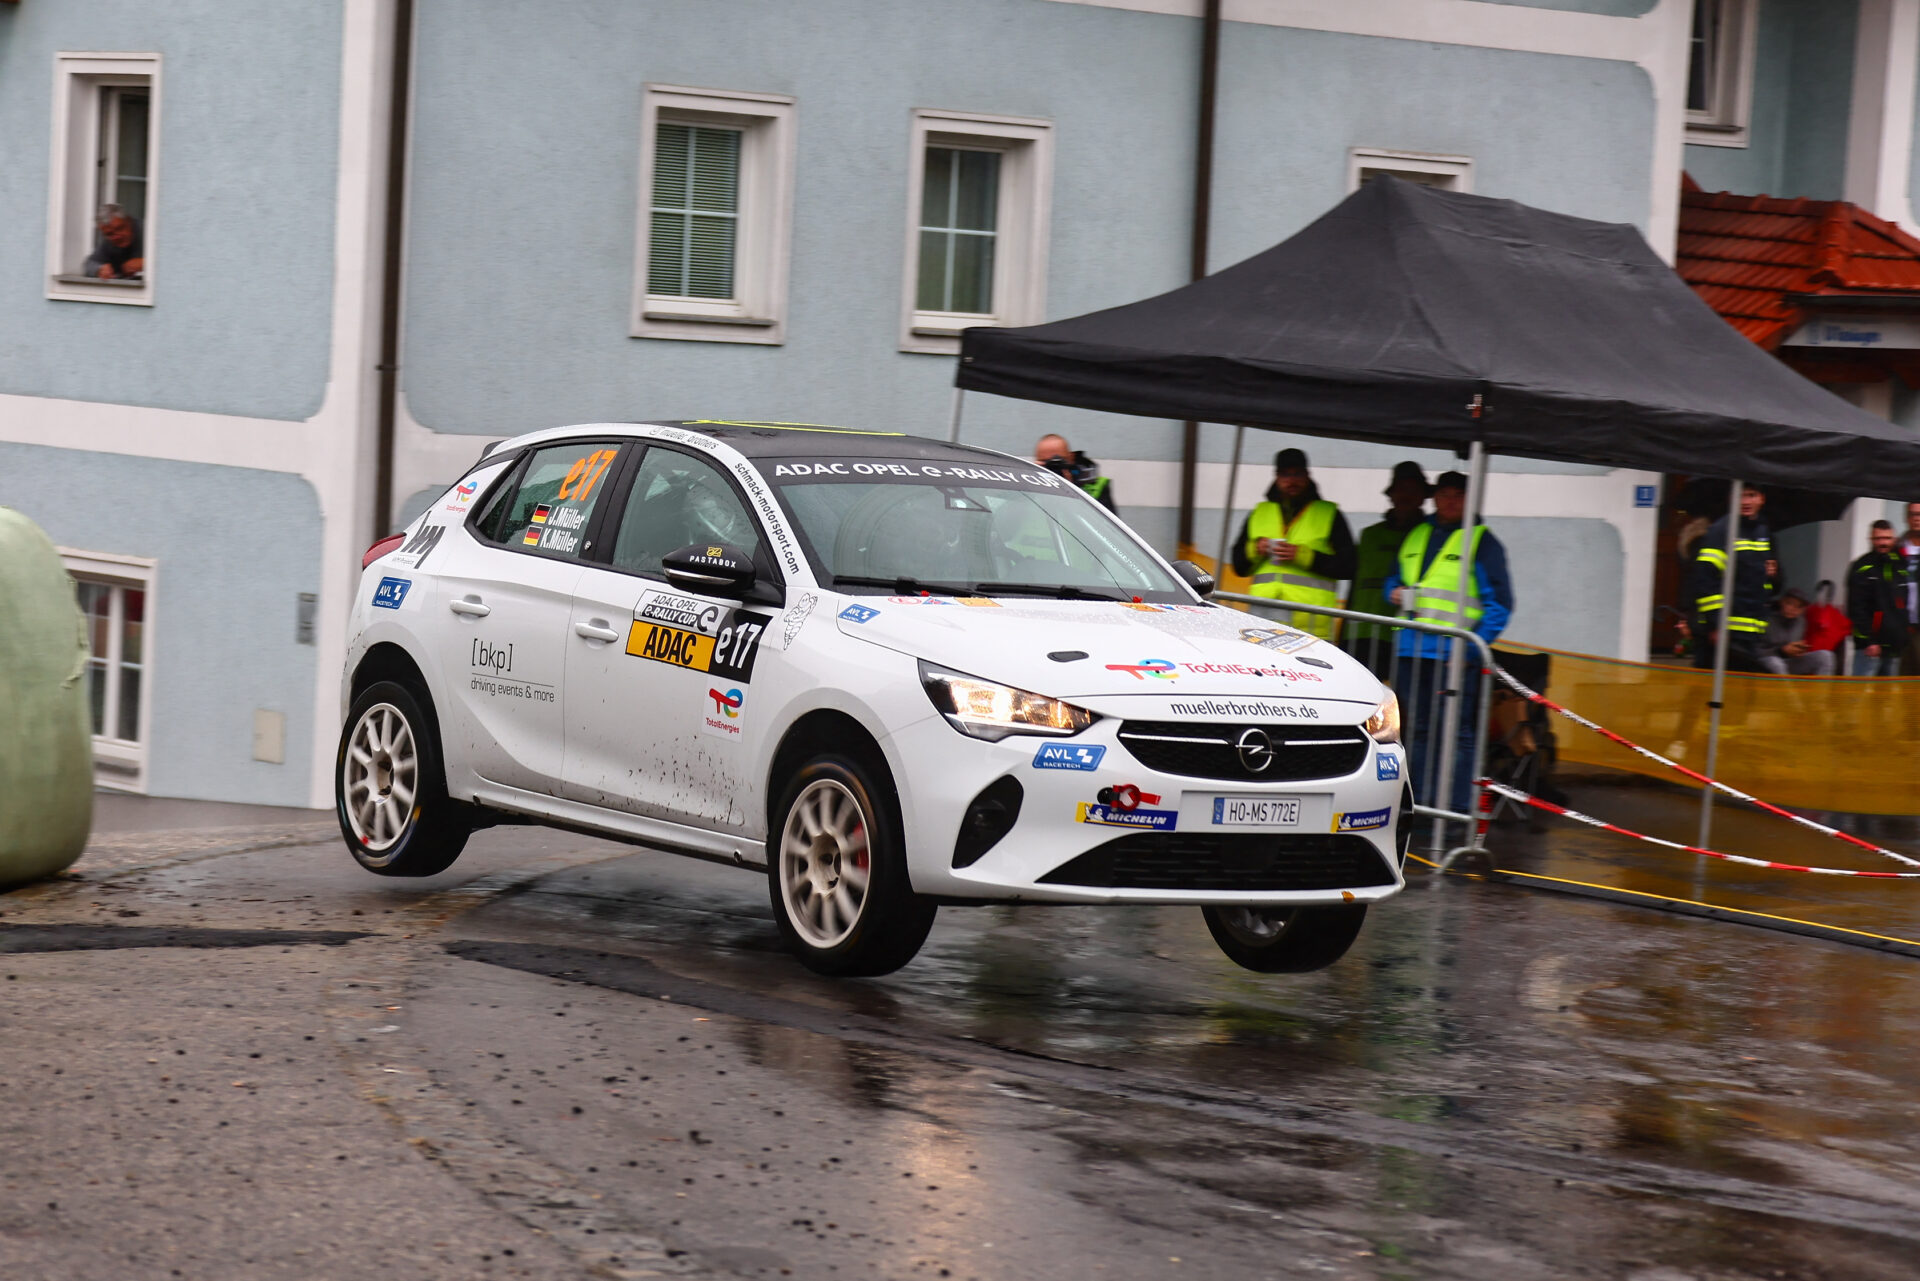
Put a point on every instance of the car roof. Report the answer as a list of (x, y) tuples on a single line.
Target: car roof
[(822, 440)]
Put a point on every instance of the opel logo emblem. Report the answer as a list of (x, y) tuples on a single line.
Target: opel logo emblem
[(1256, 750)]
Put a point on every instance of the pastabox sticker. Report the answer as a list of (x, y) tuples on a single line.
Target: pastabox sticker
[(1362, 820), (1112, 816), (1386, 767), (1081, 756), (391, 592), (859, 614)]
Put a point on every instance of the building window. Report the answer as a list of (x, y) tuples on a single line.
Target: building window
[(100, 224), (716, 177), (1720, 72), (115, 594), (1449, 173), (979, 191)]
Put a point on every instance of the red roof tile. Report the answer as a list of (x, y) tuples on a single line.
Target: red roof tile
[(1745, 255)]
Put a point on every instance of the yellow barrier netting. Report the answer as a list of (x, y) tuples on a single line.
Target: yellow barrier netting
[(1827, 743)]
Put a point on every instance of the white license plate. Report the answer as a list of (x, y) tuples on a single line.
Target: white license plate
[(1256, 811)]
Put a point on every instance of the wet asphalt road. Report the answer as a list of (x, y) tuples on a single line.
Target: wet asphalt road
[(230, 1053)]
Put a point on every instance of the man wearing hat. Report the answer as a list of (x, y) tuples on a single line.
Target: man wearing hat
[(1295, 545), (1426, 583), (1372, 643)]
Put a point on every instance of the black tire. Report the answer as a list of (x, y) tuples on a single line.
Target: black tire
[(389, 831), (1285, 940), (813, 875)]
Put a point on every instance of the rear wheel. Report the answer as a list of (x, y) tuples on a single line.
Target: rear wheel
[(390, 791), (837, 873), (1285, 940)]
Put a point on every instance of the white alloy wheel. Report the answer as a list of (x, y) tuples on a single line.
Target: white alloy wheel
[(826, 862), (380, 775)]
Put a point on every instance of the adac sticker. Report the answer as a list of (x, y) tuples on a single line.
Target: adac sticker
[(391, 592), (1081, 756), (859, 614), (720, 712), (685, 612), (1114, 816), (1161, 669), (1386, 767), (727, 654), (1362, 820)]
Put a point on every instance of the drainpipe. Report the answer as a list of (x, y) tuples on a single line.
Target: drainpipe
[(391, 236), (1202, 217)]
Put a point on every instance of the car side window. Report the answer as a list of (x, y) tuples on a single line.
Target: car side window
[(678, 500), (553, 499)]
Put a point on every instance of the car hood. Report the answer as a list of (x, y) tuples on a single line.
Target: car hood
[(1096, 651)]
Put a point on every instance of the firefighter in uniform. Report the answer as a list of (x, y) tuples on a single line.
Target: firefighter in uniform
[(1756, 582), (1426, 584), (1295, 545)]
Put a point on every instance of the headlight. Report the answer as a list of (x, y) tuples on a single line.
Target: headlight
[(986, 710), (1384, 724)]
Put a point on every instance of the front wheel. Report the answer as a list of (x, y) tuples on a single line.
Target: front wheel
[(837, 874), (1285, 940), (390, 792)]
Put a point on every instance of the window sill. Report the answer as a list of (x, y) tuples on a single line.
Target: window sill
[(77, 288), (688, 320), (1702, 133), (707, 318)]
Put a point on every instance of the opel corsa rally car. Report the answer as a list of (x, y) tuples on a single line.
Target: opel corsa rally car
[(890, 672)]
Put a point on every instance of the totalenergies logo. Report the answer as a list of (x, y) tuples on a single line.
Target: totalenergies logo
[(1159, 669), (727, 704), (467, 490)]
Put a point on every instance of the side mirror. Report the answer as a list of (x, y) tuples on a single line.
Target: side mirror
[(1195, 577), (711, 569)]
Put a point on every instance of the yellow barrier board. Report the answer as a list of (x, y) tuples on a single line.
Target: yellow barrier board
[(1826, 743)]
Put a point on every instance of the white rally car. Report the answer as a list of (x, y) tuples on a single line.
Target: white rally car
[(892, 673)]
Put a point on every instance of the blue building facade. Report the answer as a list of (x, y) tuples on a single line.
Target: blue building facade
[(205, 435)]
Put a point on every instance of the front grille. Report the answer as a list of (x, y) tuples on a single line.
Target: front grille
[(1210, 751), (1237, 861)]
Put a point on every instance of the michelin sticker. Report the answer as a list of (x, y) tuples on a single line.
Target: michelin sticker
[(391, 592), (1386, 767), (1081, 756), (1362, 820), (1114, 816)]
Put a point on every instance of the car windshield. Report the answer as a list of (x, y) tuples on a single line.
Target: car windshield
[(945, 526)]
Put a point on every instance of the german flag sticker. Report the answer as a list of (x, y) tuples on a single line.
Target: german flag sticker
[(532, 537), (540, 514)]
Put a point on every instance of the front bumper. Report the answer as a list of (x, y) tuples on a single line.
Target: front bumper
[(1342, 845)]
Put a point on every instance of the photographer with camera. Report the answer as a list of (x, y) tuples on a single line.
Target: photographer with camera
[(1056, 455)]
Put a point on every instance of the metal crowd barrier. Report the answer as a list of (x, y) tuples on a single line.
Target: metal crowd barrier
[(1378, 649)]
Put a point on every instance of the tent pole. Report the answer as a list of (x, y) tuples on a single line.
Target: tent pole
[(1449, 726), (1721, 637), (953, 426), (1226, 506)]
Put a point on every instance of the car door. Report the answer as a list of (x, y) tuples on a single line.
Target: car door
[(660, 681), (505, 593)]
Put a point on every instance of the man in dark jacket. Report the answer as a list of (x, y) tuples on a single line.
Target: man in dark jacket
[(1877, 586), (1378, 556), (1056, 455), (1755, 585)]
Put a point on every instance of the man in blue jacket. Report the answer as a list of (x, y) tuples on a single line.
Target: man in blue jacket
[(1426, 585)]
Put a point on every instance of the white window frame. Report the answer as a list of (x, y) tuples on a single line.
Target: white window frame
[(763, 239), (1383, 159), (119, 765), (1021, 229), (1730, 91), (73, 194)]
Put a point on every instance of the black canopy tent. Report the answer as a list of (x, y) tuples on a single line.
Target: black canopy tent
[(1426, 318)]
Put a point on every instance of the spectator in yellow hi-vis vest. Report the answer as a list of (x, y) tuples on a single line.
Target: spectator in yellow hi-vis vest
[(1296, 545)]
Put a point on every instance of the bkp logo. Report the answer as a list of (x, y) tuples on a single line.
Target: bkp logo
[(727, 704), (1386, 767), (390, 593), (1081, 756), (1147, 669)]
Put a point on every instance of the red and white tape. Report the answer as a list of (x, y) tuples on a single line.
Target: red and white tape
[(1838, 835), (1515, 794)]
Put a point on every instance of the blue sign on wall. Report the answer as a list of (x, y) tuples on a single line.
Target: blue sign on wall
[(1646, 495)]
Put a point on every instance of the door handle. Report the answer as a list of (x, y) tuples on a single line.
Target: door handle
[(470, 606), (596, 630)]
